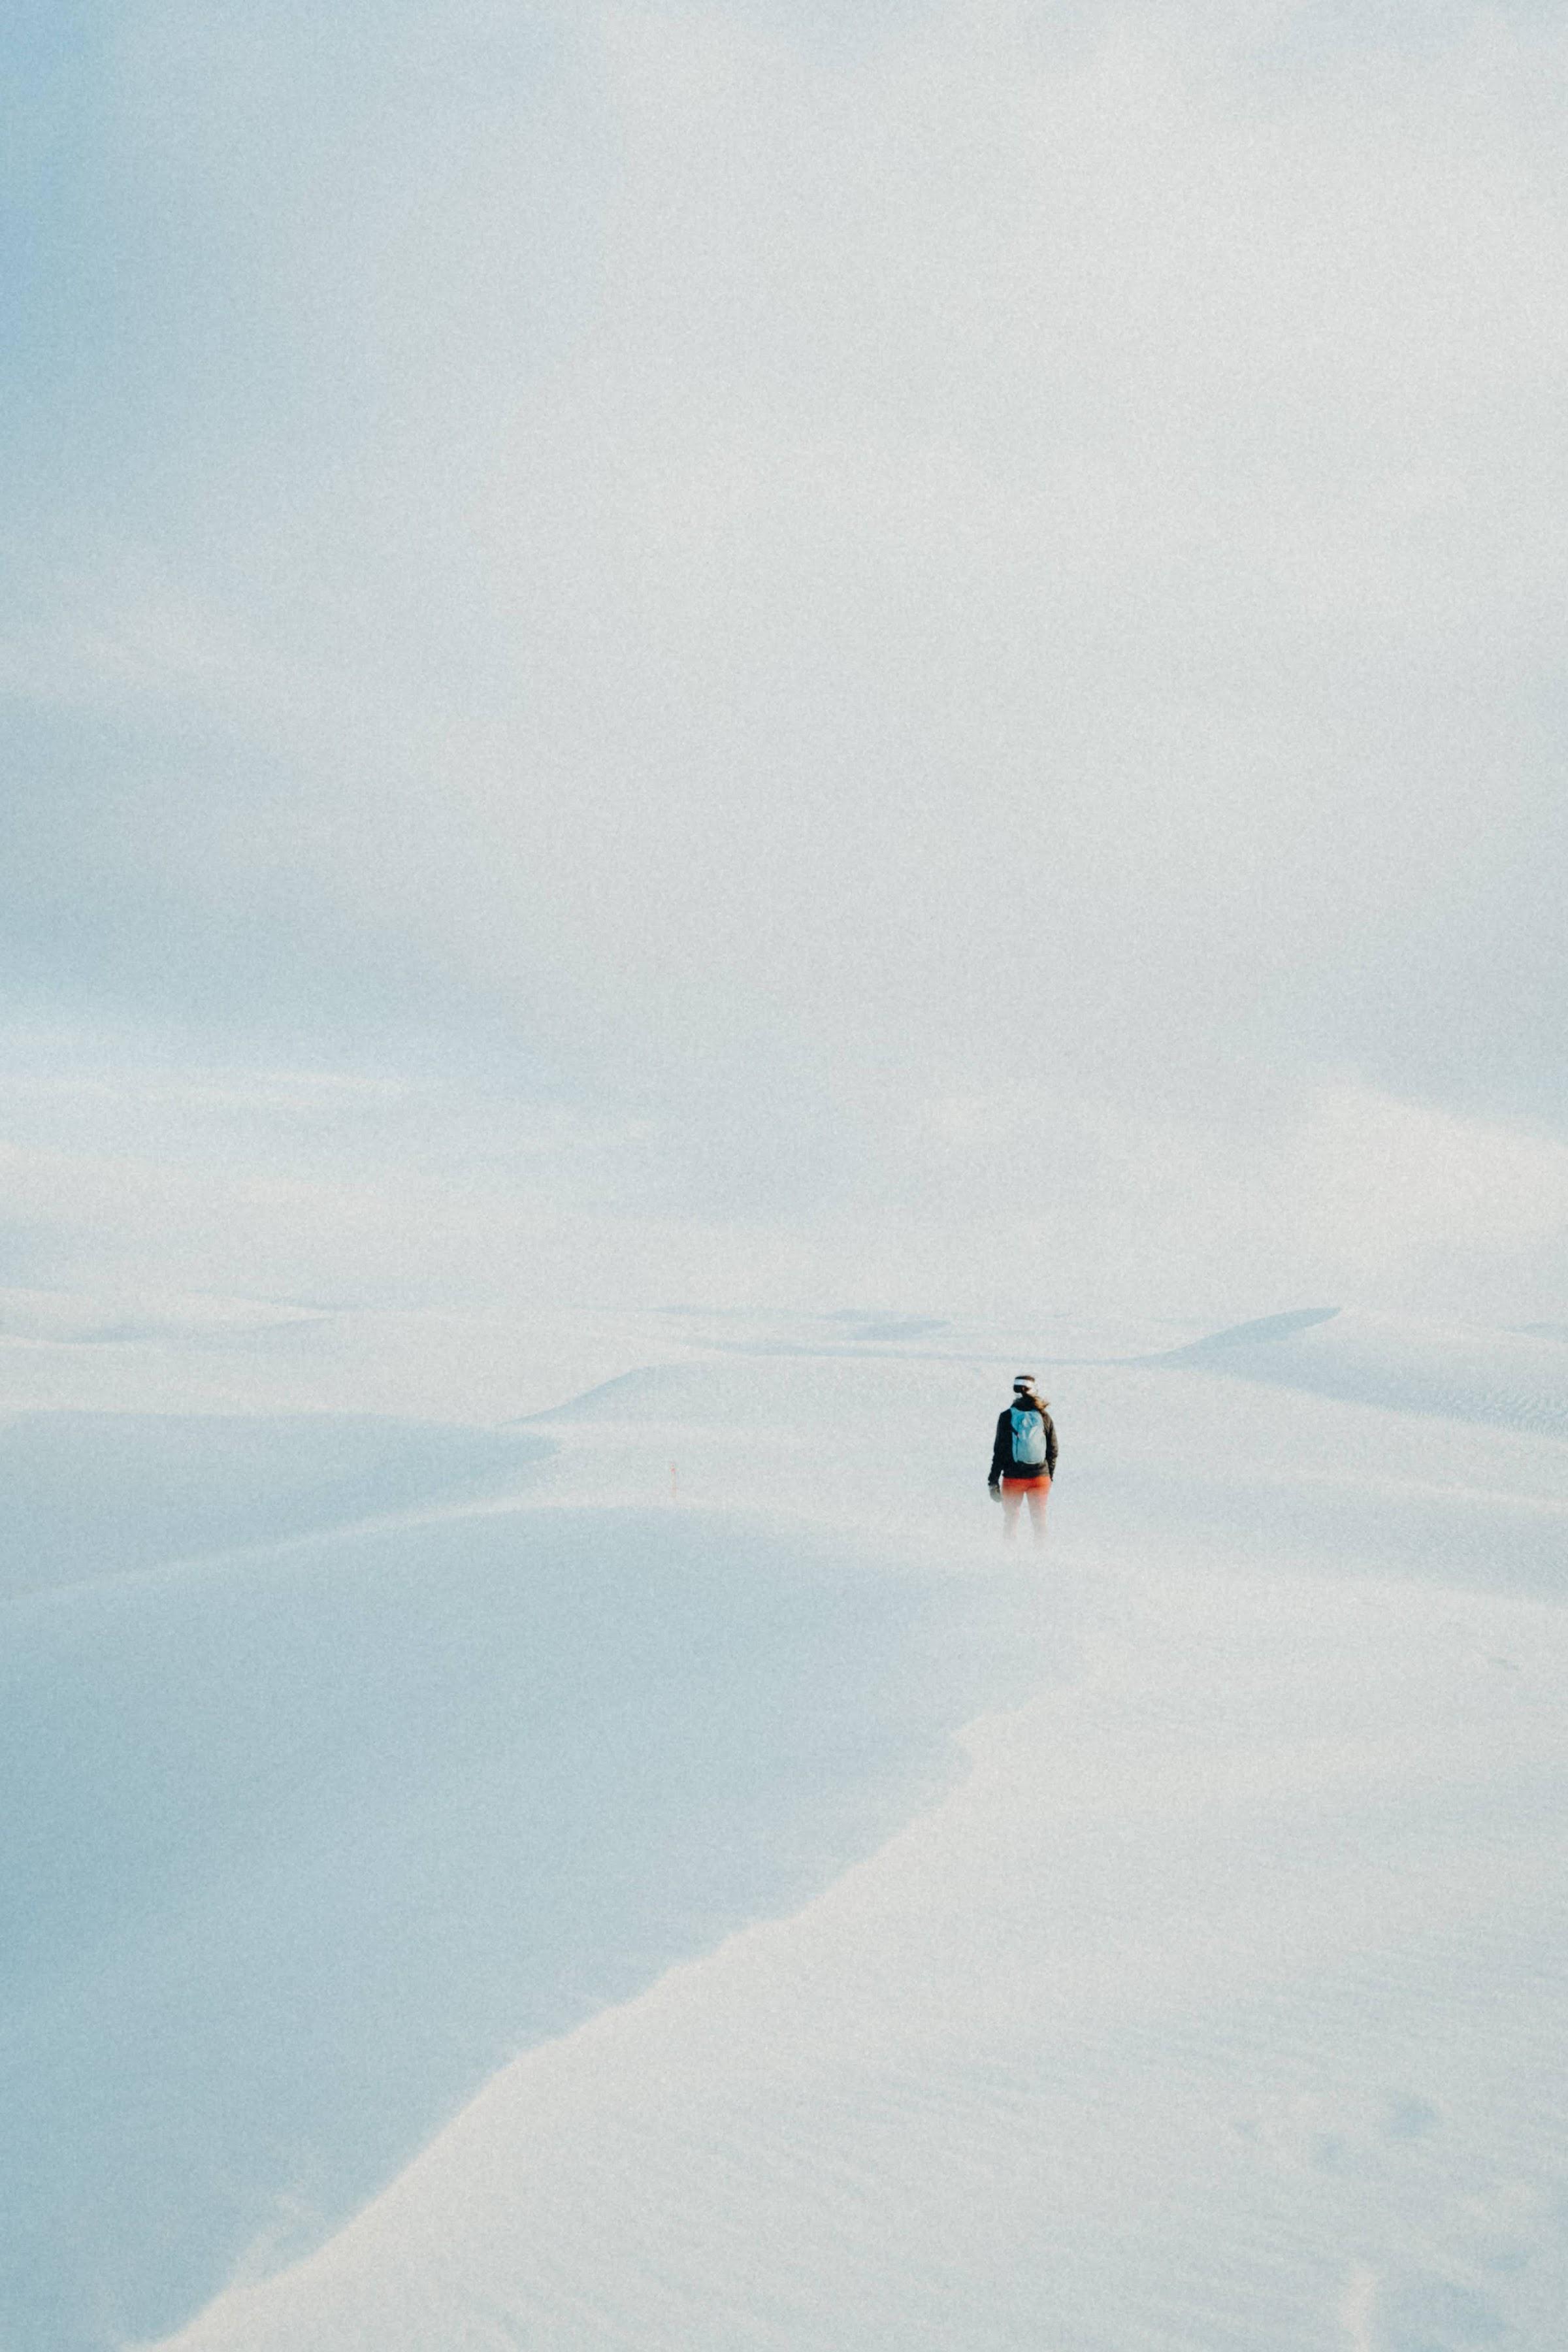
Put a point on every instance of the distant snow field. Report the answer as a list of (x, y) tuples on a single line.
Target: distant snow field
[(581, 1835)]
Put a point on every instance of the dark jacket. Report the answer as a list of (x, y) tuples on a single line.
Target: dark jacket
[(1001, 1463)]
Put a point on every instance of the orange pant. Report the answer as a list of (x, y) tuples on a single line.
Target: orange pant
[(1014, 1493)]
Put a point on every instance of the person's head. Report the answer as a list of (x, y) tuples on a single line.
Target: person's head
[(1026, 1391)]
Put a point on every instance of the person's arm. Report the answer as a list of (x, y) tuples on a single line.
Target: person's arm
[(1002, 1452), (1050, 1447)]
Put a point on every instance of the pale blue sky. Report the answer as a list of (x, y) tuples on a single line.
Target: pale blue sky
[(915, 608)]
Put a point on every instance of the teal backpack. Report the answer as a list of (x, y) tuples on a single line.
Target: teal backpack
[(1028, 1438)]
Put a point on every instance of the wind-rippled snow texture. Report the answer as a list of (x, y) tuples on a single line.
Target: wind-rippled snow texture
[(1221, 2005), (1217, 2003), (338, 1767)]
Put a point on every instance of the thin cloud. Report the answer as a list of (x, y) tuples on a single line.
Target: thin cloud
[(776, 577)]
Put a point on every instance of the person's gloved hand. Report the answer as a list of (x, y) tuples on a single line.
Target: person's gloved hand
[(993, 1490)]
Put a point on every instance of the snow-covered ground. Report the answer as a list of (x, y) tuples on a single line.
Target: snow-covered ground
[(577, 1833)]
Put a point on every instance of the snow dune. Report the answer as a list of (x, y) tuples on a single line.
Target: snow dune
[(339, 1767), (842, 1932), (1220, 2006), (92, 1494), (1517, 1379), (118, 1351)]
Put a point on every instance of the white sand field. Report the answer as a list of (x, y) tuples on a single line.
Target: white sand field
[(581, 1835)]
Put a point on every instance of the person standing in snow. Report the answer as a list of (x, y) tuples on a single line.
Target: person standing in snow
[(1024, 1458)]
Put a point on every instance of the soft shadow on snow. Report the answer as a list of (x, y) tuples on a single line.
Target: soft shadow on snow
[(92, 1495), (299, 1844), (1510, 1380)]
